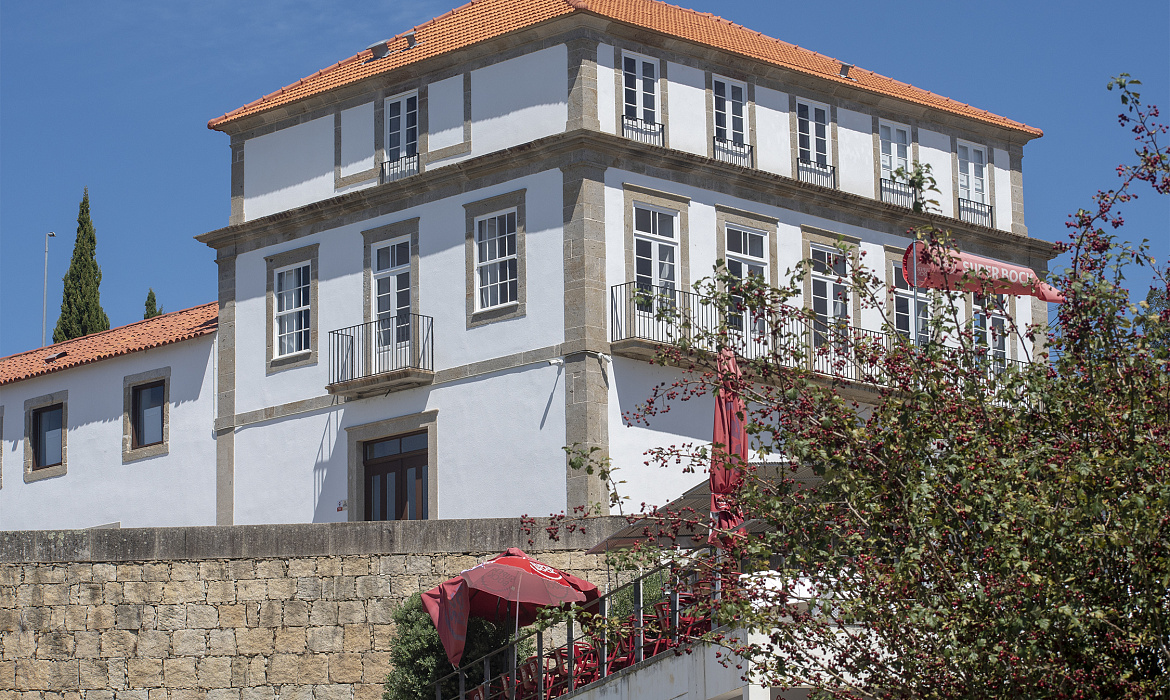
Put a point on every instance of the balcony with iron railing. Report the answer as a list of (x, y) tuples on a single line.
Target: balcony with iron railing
[(642, 131), (389, 354), (816, 173), (397, 169), (734, 152), (652, 615), (645, 319), (975, 212), (898, 193)]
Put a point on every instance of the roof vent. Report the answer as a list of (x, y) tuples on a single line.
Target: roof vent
[(410, 39), (845, 70), (56, 356), (380, 49)]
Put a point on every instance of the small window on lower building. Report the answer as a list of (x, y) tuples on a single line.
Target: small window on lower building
[(396, 478), (147, 422), (47, 429)]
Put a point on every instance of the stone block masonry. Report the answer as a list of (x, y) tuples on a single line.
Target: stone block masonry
[(284, 612)]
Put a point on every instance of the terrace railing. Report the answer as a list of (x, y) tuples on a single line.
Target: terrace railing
[(381, 346), (398, 169), (642, 131), (653, 614), (898, 193), (816, 173), (975, 212), (734, 153)]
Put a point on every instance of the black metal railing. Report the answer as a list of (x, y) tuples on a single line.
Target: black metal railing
[(734, 153), (816, 173), (975, 212), (377, 347), (397, 169), (653, 614), (898, 193), (642, 131), (667, 316)]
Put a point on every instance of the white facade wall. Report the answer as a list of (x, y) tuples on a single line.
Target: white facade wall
[(442, 283), (357, 139), (1003, 189), (519, 100), (686, 95), (855, 152), (445, 113), (174, 489), (607, 96), (499, 440), (934, 149), (773, 132), (288, 168)]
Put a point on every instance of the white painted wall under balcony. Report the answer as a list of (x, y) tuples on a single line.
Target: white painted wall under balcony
[(855, 152), (773, 132), (935, 150), (686, 106)]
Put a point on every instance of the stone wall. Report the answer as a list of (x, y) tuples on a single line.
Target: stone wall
[(295, 612)]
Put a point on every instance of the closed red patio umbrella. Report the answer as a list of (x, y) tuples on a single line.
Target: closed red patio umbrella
[(510, 587)]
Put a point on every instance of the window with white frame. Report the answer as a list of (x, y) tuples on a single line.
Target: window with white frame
[(640, 88), (391, 286), (401, 127), (495, 264), (655, 254), (830, 293), (812, 122), (911, 311), (293, 311), (895, 149), (730, 112), (972, 173), (990, 325), (746, 255)]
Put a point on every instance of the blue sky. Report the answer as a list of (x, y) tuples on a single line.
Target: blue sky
[(116, 96)]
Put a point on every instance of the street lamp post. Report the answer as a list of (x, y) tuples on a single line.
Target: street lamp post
[(45, 290)]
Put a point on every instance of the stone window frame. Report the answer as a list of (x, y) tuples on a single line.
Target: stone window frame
[(31, 405), (620, 50), (638, 194), (276, 262), (368, 175), (749, 108), (810, 236), (371, 238), (794, 136), (988, 176), (768, 225), (129, 384), (478, 210), (357, 435)]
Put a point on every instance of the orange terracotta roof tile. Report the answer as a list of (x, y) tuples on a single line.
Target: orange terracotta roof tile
[(141, 335), (481, 20)]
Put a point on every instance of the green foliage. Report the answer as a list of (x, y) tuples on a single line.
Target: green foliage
[(919, 178), (1157, 313), (621, 602), (151, 311), (81, 308), (417, 658)]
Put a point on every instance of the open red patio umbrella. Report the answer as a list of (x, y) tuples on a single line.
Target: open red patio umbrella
[(511, 587)]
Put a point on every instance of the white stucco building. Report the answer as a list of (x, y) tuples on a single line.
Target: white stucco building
[(426, 283)]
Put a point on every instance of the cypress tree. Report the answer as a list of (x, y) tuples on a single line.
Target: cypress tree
[(81, 308), (151, 310)]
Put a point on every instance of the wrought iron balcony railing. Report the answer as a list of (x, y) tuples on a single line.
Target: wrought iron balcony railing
[(397, 169), (663, 315), (381, 347), (816, 173), (642, 131), (975, 212), (898, 193), (734, 153)]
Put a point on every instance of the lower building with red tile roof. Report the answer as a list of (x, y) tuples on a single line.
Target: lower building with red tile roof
[(112, 428)]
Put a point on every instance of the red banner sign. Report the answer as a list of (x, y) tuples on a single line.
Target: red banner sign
[(952, 270)]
